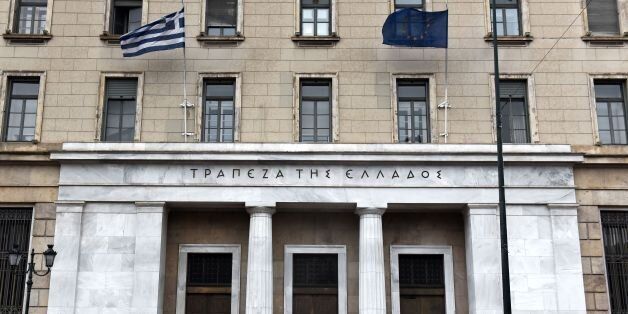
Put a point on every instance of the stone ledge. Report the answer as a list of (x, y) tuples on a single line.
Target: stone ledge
[(27, 38), (510, 40)]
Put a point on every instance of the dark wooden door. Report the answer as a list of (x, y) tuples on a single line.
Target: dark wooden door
[(430, 304), (315, 304), (197, 303)]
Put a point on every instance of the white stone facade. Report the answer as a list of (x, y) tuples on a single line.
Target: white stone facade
[(110, 238)]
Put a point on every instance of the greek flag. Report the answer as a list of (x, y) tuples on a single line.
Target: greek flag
[(164, 34)]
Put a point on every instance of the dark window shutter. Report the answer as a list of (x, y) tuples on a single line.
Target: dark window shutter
[(121, 88), (512, 89), (603, 17)]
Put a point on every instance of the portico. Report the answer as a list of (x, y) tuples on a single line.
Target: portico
[(128, 209)]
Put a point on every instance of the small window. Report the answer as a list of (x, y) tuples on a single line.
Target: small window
[(515, 121), (21, 115), (16, 226), (412, 111), (315, 17), (126, 16), (218, 112), (603, 17), (315, 283), (508, 17), (31, 16), (402, 4), (221, 17), (421, 284), (208, 288), (615, 234), (611, 112), (315, 111), (120, 108)]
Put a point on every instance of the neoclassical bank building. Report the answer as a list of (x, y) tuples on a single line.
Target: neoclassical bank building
[(312, 228)]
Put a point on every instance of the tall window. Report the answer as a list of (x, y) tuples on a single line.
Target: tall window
[(412, 111), (315, 17), (126, 16), (31, 16), (315, 111), (421, 284), (515, 125), (615, 229), (603, 17), (402, 4), (221, 17), (21, 115), (16, 226), (508, 17), (611, 112), (208, 288), (120, 107), (315, 283), (218, 112)]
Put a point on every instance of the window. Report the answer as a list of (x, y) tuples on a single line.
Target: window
[(21, 114), (402, 4), (508, 17), (126, 16), (413, 111), (315, 111), (209, 283), (16, 226), (31, 16), (615, 234), (221, 17), (119, 110), (315, 17), (218, 111), (208, 279), (421, 279), (611, 111), (515, 125), (603, 17), (315, 279)]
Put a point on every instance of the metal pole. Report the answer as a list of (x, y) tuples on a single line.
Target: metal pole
[(503, 229), (185, 92), (29, 282)]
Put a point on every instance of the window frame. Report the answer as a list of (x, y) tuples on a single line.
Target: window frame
[(185, 249), (430, 78), (108, 23), (298, 77), (333, 4), (601, 226), (448, 267), (30, 243), (315, 82), (623, 79), (220, 100), (510, 114), (524, 19), (426, 100), (6, 94), (237, 103), (13, 19), (533, 124), (291, 250), (239, 20), (427, 6), (622, 21), (100, 110)]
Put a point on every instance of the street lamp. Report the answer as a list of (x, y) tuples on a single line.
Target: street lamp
[(15, 257)]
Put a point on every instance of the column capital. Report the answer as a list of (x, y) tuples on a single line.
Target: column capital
[(370, 211), (252, 210), (69, 206), (563, 209), (150, 207), (482, 209)]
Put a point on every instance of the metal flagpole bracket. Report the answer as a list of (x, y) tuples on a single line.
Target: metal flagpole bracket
[(444, 104), (186, 104)]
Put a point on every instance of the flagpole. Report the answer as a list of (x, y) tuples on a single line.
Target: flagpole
[(503, 229), (185, 92)]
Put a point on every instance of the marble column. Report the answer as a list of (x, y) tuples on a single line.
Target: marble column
[(259, 285), (483, 259), (372, 285), (64, 275), (150, 258)]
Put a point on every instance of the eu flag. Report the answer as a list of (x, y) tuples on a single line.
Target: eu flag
[(413, 28)]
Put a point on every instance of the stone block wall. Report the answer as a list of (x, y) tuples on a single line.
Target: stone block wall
[(42, 235), (593, 263)]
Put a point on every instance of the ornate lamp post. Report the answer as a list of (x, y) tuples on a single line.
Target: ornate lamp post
[(15, 258)]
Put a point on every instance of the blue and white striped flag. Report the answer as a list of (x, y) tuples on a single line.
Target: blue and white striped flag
[(164, 34)]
